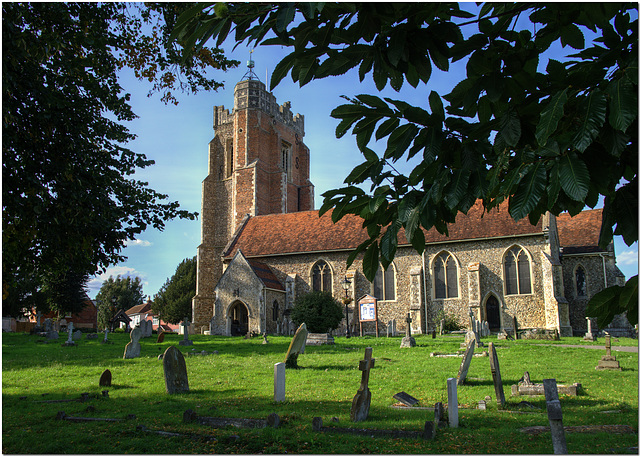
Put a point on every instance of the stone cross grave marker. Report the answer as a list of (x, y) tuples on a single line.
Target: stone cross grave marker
[(452, 402), (362, 399), (175, 371), (132, 350), (296, 347), (495, 373), (279, 372), (106, 332), (554, 413), (589, 335), (408, 341), (105, 378), (70, 333), (608, 361), (185, 329), (466, 361)]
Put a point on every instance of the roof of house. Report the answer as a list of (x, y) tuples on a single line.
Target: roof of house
[(580, 233), (139, 309), (305, 232)]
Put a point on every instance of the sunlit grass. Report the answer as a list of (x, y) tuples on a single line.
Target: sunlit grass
[(238, 382)]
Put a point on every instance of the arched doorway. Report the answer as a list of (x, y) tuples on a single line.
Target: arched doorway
[(493, 313), (239, 317)]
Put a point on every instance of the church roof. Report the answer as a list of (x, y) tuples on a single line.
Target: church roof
[(305, 232), (265, 274), (580, 233)]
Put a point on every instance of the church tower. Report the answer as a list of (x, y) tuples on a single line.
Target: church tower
[(258, 165)]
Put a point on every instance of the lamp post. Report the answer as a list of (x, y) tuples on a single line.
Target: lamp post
[(345, 286)]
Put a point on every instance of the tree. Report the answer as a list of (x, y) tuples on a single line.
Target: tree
[(318, 310), (116, 294), (544, 139), (69, 202), (173, 302)]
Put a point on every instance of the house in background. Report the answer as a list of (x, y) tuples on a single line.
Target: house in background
[(87, 318), (144, 312)]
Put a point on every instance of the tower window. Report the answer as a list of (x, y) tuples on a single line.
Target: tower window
[(229, 158), (286, 158)]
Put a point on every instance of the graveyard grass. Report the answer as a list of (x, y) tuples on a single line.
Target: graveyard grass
[(238, 382)]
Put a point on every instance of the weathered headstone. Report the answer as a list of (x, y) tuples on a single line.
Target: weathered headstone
[(69, 341), (296, 347), (362, 400), (105, 378), (407, 340), (433, 334), (77, 335), (497, 377), (132, 350), (48, 325), (441, 327), (405, 398), (51, 334), (185, 328), (482, 405), (391, 328), (175, 371), (452, 402), (608, 361), (279, 372), (160, 338), (438, 415), (589, 335), (554, 413), (264, 339), (106, 332), (466, 361), (515, 328)]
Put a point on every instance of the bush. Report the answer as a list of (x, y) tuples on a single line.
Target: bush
[(450, 321), (318, 310)]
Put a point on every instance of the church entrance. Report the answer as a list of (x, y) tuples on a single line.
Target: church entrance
[(239, 316), (493, 314)]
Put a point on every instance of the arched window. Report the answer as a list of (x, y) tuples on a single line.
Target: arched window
[(275, 310), (321, 273), (581, 282), (384, 284), (445, 276), (517, 273)]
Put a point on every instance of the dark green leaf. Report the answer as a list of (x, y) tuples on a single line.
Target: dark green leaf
[(550, 116), (594, 109), (528, 192), (574, 177), (623, 105)]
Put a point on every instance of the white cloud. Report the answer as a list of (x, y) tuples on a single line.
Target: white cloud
[(96, 281), (628, 257), (138, 242)]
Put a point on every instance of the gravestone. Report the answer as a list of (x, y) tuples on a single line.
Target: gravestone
[(132, 350), (296, 347), (442, 327), (77, 335), (433, 334), (589, 335), (48, 325), (175, 371), (51, 334), (69, 341), (106, 332), (466, 361), (146, 328), (92, 336), (408, 341), (279, 372), (497, 377), (608, 361), (391, 328), (362, 400), (105, 378), (526, 387), (264, 339), (185, 329), (160, 338), (452, 402), (554, 413), (438, 415), (406, 399)]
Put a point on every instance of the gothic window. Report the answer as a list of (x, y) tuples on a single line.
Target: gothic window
[(384, 284), (517, 272), (286, 158), (445, 276), (321, 276), (581, 282), (229, 158), (275, 310)]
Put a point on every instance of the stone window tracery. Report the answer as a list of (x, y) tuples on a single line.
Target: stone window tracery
[(321, 275), (517, 272), (384, 284), (445, 276), (275, 310)]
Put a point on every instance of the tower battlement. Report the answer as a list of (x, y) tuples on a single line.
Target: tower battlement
[(252, 94)]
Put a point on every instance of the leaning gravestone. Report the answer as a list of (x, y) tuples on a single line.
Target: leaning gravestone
[(77, 335), (132, 350), (175, 371), (296, 347), (105, 378), (362, 399), (495, 373), (160, 338), (466, 362)]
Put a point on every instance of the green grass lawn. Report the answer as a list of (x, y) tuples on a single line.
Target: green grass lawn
[(238, 382)]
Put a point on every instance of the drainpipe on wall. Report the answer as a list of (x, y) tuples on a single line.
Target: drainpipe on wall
[(604, 269), (424, 279)]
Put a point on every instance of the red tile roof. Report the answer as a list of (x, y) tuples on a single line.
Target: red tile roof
[(580, 233), (305, 232), (140, 308), (265, 274)]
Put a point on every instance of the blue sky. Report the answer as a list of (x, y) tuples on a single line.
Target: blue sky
[(177, 138)]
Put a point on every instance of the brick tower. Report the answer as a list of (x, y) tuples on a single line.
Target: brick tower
[(258, 165)]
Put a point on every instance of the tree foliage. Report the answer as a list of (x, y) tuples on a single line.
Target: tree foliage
[(69, 201), (551, 137), (173, 302), (116, 294), (318, 310)]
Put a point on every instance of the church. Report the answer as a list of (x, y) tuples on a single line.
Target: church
[(263, 245)]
